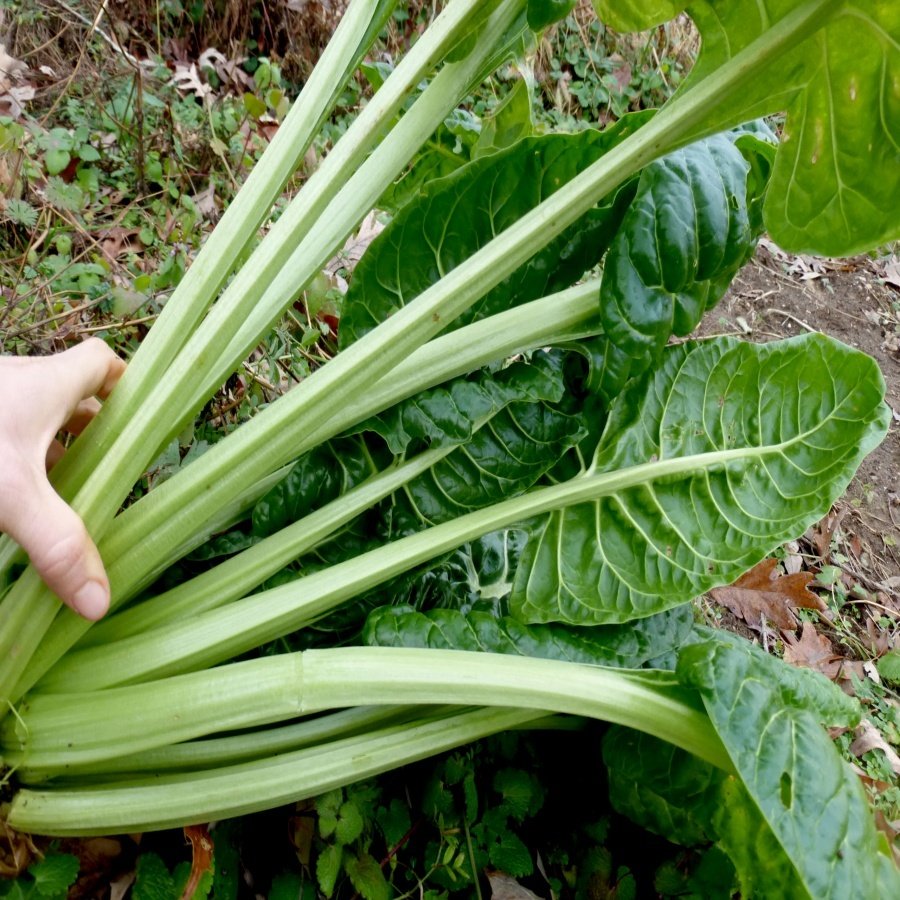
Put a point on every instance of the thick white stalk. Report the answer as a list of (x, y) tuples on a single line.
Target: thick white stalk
[(64, 732), (56, 729), (247, 746), (163, 803)]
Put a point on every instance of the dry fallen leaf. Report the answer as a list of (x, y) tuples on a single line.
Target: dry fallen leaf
[(889, 270), (812, 651), (98, 865), (205, 202), (12, 102), (187, 79), (302, 830), (504, 887), (356, 245), (16, 852), (11, 70), (822, 534), (764, 592), (868, 737), (793, 561), (879, 639), (119, 888), (117, 240)]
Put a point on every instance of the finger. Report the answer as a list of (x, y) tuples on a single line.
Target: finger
[(55, 452), (59, 547), (89, 369), (84, 412)]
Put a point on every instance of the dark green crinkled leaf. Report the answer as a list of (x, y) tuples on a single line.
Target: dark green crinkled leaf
[(476, 576), (769, 717), (733, 449), (759, 147), (450, 413), (457, 215), (503, 458), (664, 789), (523, 434), (316, 478), (608, 367), (224, 545), (628, 646), (686, 234)]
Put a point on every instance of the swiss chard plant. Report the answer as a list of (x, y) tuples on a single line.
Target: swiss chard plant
[(496, 501)]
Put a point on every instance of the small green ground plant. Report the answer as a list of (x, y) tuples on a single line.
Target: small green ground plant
[(520, 457), (103, 209)]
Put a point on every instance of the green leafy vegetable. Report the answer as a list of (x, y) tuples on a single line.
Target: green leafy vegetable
[(737, 459), (836, 183), (624, 646), (772, 727), (686, 234), (660, 787), (567, 488), (457, 215), (542, 13)]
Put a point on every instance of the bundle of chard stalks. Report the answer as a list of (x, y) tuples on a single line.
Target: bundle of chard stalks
[(494, 505)]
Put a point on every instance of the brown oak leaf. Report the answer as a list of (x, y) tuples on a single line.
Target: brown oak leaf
[(812, 651), (765, 592)]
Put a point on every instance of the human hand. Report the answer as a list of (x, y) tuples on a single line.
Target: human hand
[(41, 397)]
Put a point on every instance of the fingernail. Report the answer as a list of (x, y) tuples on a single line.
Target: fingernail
[(91, 600)]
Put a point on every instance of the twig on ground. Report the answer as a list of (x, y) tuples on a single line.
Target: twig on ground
[(90, 329), (887, 609), (793, 318)]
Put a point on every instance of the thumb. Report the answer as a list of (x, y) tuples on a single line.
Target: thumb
[(60, 548)]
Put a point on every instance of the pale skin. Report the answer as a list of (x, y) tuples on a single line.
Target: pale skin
[(45, 397)]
